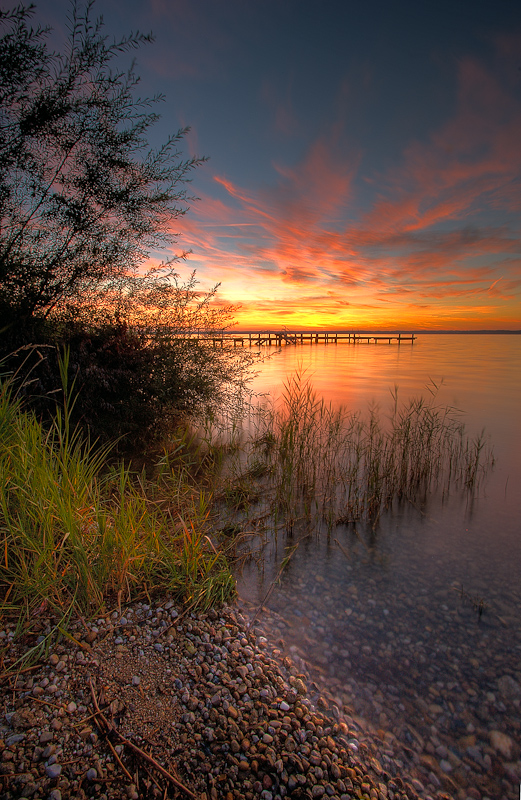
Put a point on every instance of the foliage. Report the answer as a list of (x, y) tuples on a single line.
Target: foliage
[(74, 537), (83, 198), (134, 381), (82, 195)]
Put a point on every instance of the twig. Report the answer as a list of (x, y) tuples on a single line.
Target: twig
[(120, 762), (343, 550), (152, 778), (155, 764), (109, 727), (44, 702), (284, 564), (9, 674), (85, 719)]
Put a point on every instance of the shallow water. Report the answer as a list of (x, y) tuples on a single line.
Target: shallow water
[(416, 628)]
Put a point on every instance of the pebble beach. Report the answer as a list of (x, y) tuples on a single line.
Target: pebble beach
[(150, 702)]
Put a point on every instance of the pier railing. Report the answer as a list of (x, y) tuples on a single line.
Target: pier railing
[(280, 338), (284, 337)]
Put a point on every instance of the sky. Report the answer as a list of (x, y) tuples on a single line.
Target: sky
[(364, 159)]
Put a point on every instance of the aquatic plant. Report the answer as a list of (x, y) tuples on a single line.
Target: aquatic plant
[(312, 459)]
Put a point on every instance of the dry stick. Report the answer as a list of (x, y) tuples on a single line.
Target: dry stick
[(44, 702), (84, 720), (10, 674), (343, 550), (110, 728), (105, 721), (155, 764), (121, 764), (152, 778), (285, 562)]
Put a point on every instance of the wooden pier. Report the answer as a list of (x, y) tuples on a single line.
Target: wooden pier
[(280, 338)]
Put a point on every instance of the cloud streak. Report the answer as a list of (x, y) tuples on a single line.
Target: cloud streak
[(440, 238)]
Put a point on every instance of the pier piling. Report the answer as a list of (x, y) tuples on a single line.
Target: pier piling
[(286, 338)]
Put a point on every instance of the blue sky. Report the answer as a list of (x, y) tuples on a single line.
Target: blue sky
[(364, 162)]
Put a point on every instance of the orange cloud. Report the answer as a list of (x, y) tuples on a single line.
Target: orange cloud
[(472, 156), (442, 227)]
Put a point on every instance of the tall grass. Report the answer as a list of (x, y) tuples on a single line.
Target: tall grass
[(76, 536), (315, 459)]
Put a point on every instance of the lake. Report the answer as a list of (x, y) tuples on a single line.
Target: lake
[(413, 630)]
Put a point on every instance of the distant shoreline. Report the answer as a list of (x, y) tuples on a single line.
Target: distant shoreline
[(416, 331)]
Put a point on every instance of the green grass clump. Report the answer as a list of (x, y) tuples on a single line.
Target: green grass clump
[(76, 536)]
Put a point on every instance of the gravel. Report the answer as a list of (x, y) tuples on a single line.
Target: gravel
[(200, 696)]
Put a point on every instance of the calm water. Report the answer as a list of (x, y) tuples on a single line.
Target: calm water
[(392, 629)]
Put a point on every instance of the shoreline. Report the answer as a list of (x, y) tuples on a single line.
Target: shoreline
[(198, 693)]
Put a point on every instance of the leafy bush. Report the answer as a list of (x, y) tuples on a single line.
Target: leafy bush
[(132, 379)]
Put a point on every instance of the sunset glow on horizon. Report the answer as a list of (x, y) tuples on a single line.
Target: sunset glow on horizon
[(428, 252), (365, 163)]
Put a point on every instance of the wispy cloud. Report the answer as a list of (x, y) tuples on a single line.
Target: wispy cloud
[(442, 225)]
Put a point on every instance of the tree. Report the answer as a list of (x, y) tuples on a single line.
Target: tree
[(82, 196), (135, 380)]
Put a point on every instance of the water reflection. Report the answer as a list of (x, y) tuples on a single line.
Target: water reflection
[(389, 619)]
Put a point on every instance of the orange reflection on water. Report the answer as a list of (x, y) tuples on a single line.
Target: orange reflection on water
[(477, 374)]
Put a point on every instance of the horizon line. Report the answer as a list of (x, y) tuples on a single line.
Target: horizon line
[(376, 330)]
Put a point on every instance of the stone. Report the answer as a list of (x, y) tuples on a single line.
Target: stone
[(502, 743), (509, 688), (53, 770), (14, 738)]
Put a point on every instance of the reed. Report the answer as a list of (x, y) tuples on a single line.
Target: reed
[(76, 536), (311, 459)]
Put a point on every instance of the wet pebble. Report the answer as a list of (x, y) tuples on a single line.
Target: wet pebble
[(241, 721)]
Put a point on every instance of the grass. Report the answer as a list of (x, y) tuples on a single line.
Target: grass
[(76, 536), (310, 460)]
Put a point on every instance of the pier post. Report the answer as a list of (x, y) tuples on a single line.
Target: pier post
[(277, 338)]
